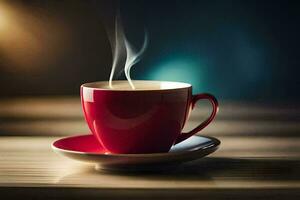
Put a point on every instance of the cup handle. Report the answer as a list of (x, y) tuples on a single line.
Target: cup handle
[(195, 98)]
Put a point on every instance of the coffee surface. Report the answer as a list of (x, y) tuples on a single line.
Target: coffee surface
[(139, 85)]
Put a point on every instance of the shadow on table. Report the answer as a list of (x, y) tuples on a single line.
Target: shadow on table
[(208, 169)]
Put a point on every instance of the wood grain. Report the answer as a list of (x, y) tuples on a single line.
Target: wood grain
[(259, 156), (27, 161)]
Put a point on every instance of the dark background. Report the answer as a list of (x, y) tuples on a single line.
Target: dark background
[(237, 50)]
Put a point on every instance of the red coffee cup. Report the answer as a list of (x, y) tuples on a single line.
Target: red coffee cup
[(148, 119)]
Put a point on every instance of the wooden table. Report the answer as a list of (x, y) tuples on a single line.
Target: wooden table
[(259, 156)]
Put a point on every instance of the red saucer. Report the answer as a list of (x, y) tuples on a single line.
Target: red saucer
[(81, 143), (87, 149)]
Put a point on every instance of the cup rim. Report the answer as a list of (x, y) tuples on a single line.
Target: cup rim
[(170, 85)]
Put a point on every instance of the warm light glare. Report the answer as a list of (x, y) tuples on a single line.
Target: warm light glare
[(27, 40), (3, 18)]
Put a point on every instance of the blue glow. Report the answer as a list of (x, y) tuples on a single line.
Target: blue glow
[(179, 69)]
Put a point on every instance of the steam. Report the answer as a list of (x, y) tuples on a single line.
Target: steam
[(123, 50)]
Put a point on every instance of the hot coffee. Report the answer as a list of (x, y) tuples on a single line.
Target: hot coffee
[(148, 119)]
